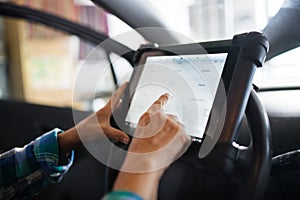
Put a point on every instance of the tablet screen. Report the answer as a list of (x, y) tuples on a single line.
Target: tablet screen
[(191, 81)]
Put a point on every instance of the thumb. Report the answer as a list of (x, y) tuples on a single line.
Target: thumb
[(118, 135)]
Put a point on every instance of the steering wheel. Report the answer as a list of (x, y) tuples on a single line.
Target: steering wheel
[(249, 166), (255, 160)]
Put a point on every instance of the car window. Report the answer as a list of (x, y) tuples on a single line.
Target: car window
[(214, 20), (43, 64), (281, 72), (80, 11), (86, 13)]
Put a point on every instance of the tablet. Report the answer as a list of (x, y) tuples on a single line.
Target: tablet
[(190, 75)]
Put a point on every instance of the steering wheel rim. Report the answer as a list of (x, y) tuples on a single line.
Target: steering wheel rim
[(249, 167), (256, 159)]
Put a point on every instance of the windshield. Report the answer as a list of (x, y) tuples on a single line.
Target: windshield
[(281, 72), (203, 20)]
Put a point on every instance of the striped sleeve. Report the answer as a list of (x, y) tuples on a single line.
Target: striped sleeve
[(26, 171)]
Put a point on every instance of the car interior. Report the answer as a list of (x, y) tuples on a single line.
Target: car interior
[(256, 155)]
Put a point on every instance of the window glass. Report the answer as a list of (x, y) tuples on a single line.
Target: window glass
[(86, 13), (282, 71), (80, 11), (203, 20), (44, 64)]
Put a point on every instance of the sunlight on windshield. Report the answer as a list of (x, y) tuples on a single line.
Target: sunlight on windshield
[(203, 20), (282, 71), (211, 19)]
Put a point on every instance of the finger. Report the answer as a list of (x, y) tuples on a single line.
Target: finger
[(173, 117), (163, 99), (144, 119), (118, 135), (176, 120), (159, 103)]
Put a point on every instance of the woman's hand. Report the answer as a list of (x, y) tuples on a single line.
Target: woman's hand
[(159, 140), (160, 137), (94, 127)]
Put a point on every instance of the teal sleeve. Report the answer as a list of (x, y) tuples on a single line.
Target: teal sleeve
[(26, 171), (121, 195)]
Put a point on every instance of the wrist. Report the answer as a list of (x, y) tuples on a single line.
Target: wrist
[(68, 141), (142, 184), (140, 177)]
